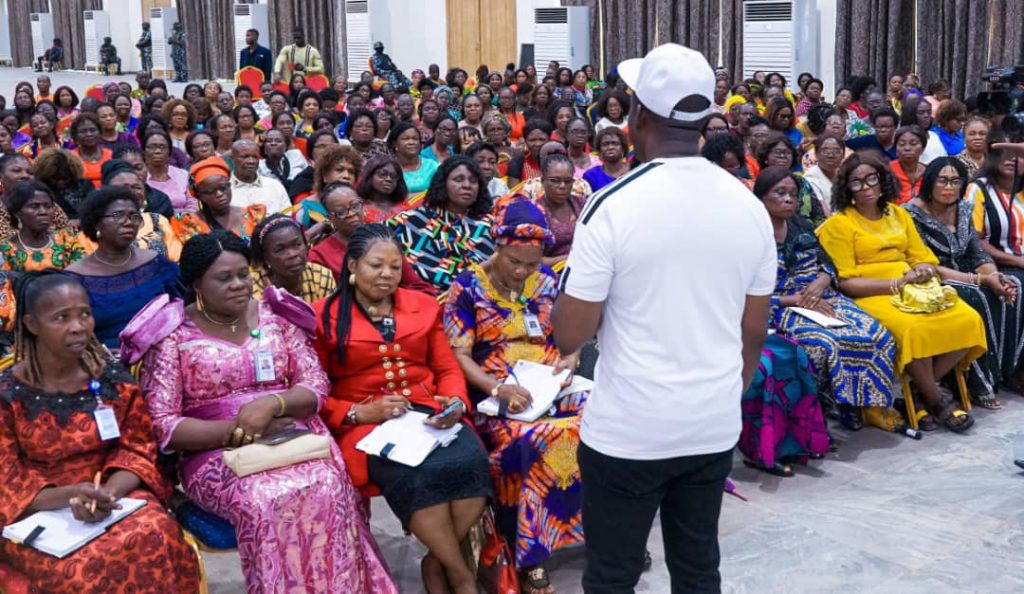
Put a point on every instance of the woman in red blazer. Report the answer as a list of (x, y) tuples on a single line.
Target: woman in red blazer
[(385, 354)]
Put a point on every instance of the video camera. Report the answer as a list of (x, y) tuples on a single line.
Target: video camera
[(1005, 97)]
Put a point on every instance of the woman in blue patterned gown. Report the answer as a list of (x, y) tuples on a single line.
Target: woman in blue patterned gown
[(853, 364)]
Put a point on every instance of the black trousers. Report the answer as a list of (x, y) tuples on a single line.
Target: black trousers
[(620, 500)]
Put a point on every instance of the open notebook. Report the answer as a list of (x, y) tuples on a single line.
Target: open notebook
[(544, 386), (407, 439), (64, 534)]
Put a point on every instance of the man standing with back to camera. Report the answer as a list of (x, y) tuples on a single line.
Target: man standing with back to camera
[(673, 267)]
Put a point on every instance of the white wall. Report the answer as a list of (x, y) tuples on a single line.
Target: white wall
[(413, 33), (125, 29), (5, 31), (827, 46)]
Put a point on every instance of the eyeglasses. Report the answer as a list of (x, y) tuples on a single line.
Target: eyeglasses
[(355, 207), (223, 188), (158, 147), (204, 144), (121, 216), (870, 181), (385, 174), (560, 181), (950, 182), (831, 152)]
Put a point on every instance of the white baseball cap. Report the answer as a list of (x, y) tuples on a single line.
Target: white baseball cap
[(668, 74)]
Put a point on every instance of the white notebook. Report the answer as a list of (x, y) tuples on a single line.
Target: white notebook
[(407, 439), (544, 386), (819, 318), (64, 534)]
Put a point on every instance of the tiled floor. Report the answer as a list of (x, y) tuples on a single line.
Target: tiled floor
[(885, 514)]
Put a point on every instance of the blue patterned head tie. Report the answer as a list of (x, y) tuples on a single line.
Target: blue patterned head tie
[(523, 223)]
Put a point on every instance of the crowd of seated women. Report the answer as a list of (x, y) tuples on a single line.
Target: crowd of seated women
[(417, 263)]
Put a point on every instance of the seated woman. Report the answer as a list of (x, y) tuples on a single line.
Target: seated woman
[(212, 186), (375, 338), (280, 257), (119, 277), (334, 163), (726, 151), (155, 231), (853, 364), (943, 219), (998, 197), (36, 245), (382, 189), (612, 145), (85, 132), (296, 524), (778, 151), (818, 179), (526, 165), (577, 143), (451, 229), (304, 184), (486, 156), (279, 161), (487, 316), (877, 252), (404, 141), (559, 205), (51, 460), (156, 152), (908, 169), (445, 139), (63, 173), (345, 214)]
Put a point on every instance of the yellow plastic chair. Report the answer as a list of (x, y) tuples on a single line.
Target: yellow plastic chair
[(913, 413)]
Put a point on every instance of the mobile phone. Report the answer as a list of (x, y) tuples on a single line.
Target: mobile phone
[(282, 436), (454, 406)]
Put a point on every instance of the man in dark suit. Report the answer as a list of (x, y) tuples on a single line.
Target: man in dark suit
[(255, 54)]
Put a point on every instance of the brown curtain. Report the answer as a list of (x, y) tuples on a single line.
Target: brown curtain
[(69, 25), (953, 43), (210, 41), (21, 29), (321, 20), (1007, 43), (874, 38), (732, 38), (629, 27)]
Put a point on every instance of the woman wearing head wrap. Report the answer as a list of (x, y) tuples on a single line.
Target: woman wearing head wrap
[(210, 182), (446, 100), (497, 314)]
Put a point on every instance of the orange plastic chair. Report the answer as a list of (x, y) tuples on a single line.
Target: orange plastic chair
[(317, 82), (251, 77)]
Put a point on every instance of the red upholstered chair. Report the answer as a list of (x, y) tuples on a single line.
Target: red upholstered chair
[(317, 82), (251, 77), (96, 92)]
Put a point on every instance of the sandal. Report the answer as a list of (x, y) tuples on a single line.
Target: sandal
[(955, 419), (987, 401), (779, 469), (925, 422), (534, 580)]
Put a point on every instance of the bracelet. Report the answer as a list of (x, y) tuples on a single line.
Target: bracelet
[(494, 390), (280, 401), (350, 416)]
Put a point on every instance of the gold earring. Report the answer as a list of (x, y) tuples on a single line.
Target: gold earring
[(352, 279), (99, 234), (199, 301)]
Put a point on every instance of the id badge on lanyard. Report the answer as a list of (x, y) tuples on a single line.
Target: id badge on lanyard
[(106, 420)]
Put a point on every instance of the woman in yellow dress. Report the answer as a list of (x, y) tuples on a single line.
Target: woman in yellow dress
[(877, 251)]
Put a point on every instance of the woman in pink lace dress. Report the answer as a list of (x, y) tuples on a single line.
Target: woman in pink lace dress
[(226, 370)]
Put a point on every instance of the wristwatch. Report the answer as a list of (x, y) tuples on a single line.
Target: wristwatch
[(494, 390), (350, 416)]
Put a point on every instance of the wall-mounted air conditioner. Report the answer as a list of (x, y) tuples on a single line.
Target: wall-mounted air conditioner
[(97, 26), (781, 36), (161, 20), (250, 16), (561, 34), (42, 32)]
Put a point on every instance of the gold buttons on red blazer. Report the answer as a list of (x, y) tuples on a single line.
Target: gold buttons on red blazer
[(397, 348), (383, 348)]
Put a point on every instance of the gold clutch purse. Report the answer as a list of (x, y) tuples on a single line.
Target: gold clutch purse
[(257, 457), (927, 297)]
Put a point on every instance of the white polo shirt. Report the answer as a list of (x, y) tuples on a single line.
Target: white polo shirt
[(672, 249), (265, 190)]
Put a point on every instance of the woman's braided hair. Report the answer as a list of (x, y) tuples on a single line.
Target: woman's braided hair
[(29, 287)]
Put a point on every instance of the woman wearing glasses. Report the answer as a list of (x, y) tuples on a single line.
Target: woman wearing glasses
[(877, 253), (943, 219), (345, 213), (119, 277), (211, 184)]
